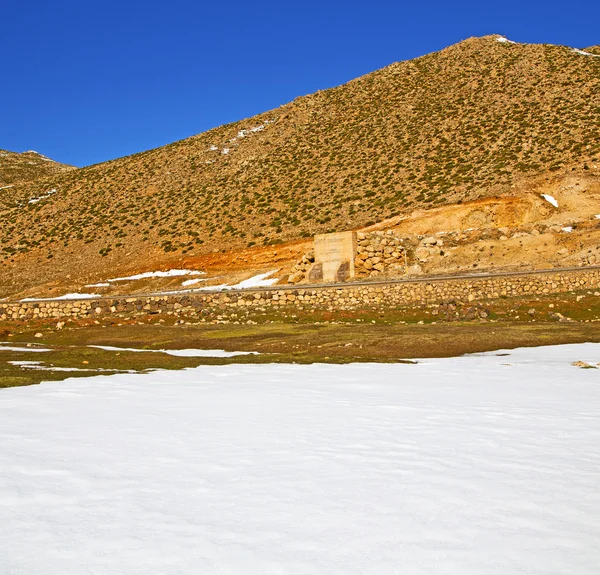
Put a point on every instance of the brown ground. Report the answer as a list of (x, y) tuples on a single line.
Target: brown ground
[(292, 336), (480, 119)]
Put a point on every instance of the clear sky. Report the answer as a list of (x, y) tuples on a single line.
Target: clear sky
[(84, 82)]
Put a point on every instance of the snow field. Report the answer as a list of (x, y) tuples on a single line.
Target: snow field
[(485, 464)]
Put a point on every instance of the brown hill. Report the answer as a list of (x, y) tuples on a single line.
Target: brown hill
[(478, 119), (23, 167)]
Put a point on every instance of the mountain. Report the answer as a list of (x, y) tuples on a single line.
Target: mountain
[(478, 119), (16, 168)]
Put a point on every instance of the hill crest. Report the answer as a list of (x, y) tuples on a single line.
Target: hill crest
[(477, 119), (18, 167)]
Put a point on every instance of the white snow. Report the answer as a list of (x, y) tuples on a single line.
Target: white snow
[(42, 197), (550, 200), (213, 148), (102, 284), (567, 229), (6, 187), (165, 274), (244, 133), (39, 366), (180, 352), (65, 296), (192, 282), (505, 40), (584, 53), (23, 348), (478, 465), (259, 280), (225, 151), (597, 216)]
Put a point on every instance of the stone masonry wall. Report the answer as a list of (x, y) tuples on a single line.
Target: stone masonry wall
[(377, 253), (340, 297)]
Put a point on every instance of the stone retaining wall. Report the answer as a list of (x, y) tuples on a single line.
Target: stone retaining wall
[(342, 297)]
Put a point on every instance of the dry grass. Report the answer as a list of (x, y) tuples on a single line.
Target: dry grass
[(16, 168), (464, 123)]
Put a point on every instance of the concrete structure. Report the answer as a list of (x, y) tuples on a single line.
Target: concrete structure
[(334, 257)]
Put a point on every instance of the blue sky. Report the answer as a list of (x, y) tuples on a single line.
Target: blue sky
[(84, 82)]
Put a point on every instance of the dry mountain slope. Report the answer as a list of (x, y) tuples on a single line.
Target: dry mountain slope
[(23, 167), (475, 120)]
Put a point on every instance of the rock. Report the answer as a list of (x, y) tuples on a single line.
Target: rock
[(583, 364), (429, 241), (39, 334), (60, 325), (369, 264), (295, 278), (422, 253)]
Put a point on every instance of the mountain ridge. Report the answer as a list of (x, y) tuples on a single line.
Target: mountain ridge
[(19, 167), (477, 119)]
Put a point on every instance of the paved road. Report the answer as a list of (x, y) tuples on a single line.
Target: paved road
[(426, 279)]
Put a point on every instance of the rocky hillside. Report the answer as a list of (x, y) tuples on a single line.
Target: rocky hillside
[(16, 168), (478, 119)]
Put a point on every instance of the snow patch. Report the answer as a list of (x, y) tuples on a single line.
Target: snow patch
[(584, 53), (39, 365), (98, 285), (42, 197), (259, 280), (504, 40), (6, 187), (192, 282), (180, 352), (225, 151), (550, 200), (23, 349), (165, 274), (62, 297), (567, 229), (244, 133)]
